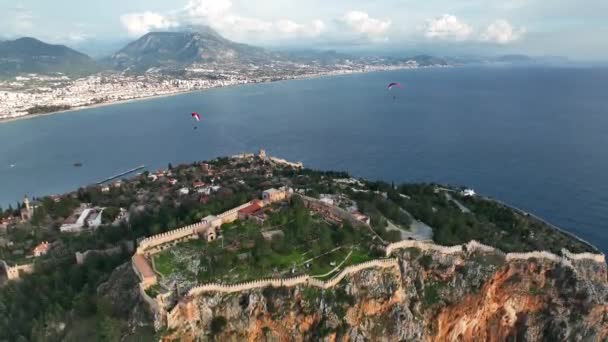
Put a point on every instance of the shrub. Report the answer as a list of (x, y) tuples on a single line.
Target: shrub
[(426, 261), (217, 325)]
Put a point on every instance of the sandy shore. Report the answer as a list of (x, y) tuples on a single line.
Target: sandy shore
[(103, 104), (111, 103)]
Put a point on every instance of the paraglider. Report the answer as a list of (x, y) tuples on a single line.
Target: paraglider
[(196, 117), (394, 85)]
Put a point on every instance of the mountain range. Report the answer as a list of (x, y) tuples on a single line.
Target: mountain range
[(182, 49), (29, 55), (200, 46)]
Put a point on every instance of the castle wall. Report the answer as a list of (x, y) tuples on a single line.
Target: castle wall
[(291, 282), (82, 256), (162, 241), (566, 258), (174, 316), (334, 210), (13, 272)]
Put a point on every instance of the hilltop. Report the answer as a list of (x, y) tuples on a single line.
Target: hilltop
[(176, 50), (299, 252), (29, 55)]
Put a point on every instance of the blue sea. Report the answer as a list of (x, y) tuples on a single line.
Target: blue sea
[(534, 137)]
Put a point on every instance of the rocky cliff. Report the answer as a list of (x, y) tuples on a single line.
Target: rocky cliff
[(467, 296)]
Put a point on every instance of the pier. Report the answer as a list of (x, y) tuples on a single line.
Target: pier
[(135, 169)]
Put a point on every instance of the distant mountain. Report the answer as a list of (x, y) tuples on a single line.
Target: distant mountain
[(426, 60), (181, 49), (514, 59), (29, 55), (324, 57)]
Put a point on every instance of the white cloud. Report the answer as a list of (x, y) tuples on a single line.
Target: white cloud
[(220, 15), (501, 32), (208, 9), (291, 28), (77, 37), (138, 24), (362, 23), (17, 20), (447, 27)]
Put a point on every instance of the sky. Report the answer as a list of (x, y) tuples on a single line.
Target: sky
[(576, 29)]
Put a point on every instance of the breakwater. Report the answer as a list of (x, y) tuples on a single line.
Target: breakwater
[(111, 178)]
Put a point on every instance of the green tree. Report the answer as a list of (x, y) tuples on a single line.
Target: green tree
[(217, 325)]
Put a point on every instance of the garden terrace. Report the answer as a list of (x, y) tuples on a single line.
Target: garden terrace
[(301, 242)]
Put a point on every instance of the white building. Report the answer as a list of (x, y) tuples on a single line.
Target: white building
[(89, 217), (184, 191), (327, 199), (93, 220), (468, 193)]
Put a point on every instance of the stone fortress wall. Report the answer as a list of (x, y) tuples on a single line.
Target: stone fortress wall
[(171, 317), (174, 318), (311, 202), (290, 282), (472, 246), (566, 257), (150, 245), (13, 272)]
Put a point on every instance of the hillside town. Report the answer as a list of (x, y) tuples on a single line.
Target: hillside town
[(194, 193), (250, 221), (38, 94)]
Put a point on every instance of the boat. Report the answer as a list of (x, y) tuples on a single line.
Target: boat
[(77, 164)]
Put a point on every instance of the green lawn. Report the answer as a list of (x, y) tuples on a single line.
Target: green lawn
[(165, 262), (243, 254)]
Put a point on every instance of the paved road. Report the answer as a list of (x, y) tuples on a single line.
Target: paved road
[(418, 230), (458, 204)]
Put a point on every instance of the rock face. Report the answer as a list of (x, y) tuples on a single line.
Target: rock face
[(182, 49), (121, 294), (432, 297)]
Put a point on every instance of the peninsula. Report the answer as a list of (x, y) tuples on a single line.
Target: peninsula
[(257, 247)]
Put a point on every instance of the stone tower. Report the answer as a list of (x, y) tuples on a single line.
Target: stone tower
[(262, 154), (26, 210)]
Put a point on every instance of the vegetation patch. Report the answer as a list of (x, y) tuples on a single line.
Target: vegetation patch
[(432, 293), (291, 242)]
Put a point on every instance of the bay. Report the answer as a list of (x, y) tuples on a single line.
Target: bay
[(533, 137)]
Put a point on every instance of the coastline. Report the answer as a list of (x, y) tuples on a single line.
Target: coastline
[(98, 105), (543, 221), (151, 97)]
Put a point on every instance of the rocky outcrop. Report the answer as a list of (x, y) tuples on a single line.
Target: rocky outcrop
[(467, 295), (121, 294)]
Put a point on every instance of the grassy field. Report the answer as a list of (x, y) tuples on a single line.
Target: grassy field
[(306, 245)]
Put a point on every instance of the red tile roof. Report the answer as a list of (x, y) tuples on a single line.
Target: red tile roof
[(250, 209)]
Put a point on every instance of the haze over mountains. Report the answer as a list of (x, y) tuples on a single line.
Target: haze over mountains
[(200, 46), (29, 55)]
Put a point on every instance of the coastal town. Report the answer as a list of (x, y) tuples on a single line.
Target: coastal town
[(31, 94)]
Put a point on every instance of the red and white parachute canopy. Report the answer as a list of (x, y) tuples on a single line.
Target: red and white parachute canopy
[(196, 116)]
